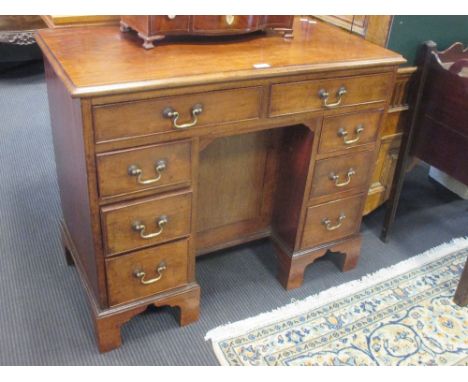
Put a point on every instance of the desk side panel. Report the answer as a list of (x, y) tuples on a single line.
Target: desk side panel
[(294, 163), (441, 133), (69, 147)]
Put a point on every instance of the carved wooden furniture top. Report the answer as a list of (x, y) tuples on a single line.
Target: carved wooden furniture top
[(454, 59), (152, 29), (67, 21), (102, 60)]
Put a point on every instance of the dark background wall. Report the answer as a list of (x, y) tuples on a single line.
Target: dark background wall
[(409, 32)]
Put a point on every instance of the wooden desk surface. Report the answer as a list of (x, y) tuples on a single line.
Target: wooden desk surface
[(102, 60)]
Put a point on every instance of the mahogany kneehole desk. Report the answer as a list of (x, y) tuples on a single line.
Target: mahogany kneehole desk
[(191, 147)]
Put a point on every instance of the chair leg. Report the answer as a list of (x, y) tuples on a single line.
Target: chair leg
[(461, 294)]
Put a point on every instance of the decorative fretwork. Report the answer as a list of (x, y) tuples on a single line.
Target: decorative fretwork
[(403, 81)]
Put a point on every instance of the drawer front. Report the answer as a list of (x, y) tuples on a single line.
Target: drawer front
[(146, 272), (331, 221), (342, 173), (224, 24), (347, 131), (298, 97), (160, 24), (277, 21), (156, 116), (130, 226), (151, 167)]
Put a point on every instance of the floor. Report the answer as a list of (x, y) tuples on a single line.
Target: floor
[(44, 318)]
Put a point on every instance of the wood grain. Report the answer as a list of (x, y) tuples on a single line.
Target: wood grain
[(384, 171), (114, 178), (441, 135), (315, 232), (295, 159), (231, 188), (291, 268), (80, 21), (394, 126), (124, 120), (360, 163), (70, 157), (118, 220), (330, 139), (374, 28), (297, 97), (157, 27), (238, 165), (124, 286), (92, 58)]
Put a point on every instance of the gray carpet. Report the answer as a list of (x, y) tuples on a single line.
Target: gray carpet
[(44, 319)]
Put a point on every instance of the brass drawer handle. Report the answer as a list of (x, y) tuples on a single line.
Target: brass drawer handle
[(169, 112), (159, 270), (327, 222), (334, 177), (323, 94), (357, 132), (140, 227), (134, 170)]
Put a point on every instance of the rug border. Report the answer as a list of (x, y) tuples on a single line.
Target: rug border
[(235, 329)]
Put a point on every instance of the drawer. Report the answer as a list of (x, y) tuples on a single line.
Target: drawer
[(146, 222), (331, 221), (304, 96), (146, 272), (224, 24), (156, 116), (342, 173), (160, 24), (347, 131), (151, 167)]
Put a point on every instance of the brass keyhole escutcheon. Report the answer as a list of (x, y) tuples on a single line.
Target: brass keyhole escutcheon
[(229, 20)]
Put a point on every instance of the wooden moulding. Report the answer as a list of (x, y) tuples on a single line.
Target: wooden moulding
[(156, 28), (55, 21), (292, 267), (401, 92), (290, 58), (373, 28)]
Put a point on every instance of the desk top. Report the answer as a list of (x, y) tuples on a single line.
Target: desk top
[(102, 60)]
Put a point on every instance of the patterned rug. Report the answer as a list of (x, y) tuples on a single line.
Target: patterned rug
[(402, 315)]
